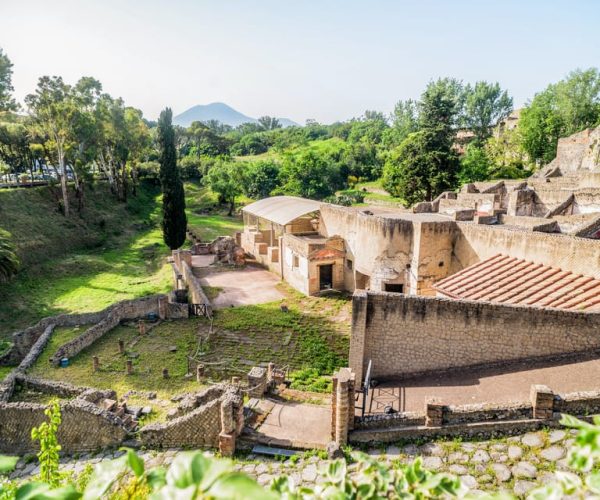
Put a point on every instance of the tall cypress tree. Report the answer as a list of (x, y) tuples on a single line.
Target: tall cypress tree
[(174, 222)]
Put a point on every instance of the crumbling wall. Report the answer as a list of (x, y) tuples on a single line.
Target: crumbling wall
[(204, 419), (406, 336)]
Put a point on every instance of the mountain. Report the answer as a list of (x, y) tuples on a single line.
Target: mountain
[(221, 112)]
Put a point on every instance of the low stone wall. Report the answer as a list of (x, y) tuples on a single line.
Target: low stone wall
[(126, 310), (84, 427), (482, 420), (213, 417), (24, 340)]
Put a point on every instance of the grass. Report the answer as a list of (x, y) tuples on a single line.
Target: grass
[(205, 217), (306, 338), (126, 261), (376, 193), (4, 371)]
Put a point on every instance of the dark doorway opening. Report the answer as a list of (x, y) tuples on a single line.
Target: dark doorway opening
[(394, 287), (326, 277)]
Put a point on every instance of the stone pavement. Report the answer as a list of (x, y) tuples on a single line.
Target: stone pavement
[(514, 464)]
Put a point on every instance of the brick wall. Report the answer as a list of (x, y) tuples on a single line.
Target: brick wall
[(408, 335)]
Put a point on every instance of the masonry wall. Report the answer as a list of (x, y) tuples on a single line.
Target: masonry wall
[(476, 242), (84, 427), (410, 335)]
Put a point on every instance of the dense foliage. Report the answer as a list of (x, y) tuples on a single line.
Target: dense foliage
[(454, 133), (174, 223), (9, 262)]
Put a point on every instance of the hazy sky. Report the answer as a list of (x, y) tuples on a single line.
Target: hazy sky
[(322, 59)]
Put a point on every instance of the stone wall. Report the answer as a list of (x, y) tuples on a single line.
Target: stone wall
[(213, 417), (126, 310), (482, 420), (84, 427), (476, 242), (409, 335)]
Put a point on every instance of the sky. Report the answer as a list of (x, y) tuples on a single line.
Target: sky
[(326, 60)]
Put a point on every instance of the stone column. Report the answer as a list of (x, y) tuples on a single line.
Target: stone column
[(121, 346), (142, 327), (129, 367), (227, 434), (163, 305), (342, 417), (542, 401), (96, 363)]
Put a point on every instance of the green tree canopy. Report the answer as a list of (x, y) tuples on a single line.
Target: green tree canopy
[(226, 179), (310, 174), (485, 104), (9, 262), (560, 110), (7, 103), (261, 178)]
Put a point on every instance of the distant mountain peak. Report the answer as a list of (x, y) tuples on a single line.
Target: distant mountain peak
[(218, 111)]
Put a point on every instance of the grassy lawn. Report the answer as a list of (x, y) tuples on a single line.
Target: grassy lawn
[(205, 216), (311, 339), (374, 192), (86, 281)]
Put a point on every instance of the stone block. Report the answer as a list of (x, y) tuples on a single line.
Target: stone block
[(542, 401), (257, 382)]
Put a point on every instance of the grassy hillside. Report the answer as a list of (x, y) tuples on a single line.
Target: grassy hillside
[(111, 251)]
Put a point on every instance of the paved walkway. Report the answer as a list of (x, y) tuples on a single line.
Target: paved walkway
[(250, 285), (297, 425), (514, 464), (486, 385)]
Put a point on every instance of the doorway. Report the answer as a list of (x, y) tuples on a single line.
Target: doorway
[(394, 287), (326, 277)]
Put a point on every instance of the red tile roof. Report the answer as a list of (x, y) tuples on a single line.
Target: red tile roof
[(509, 280)]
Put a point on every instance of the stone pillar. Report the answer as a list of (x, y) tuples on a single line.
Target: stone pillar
[(342, 410), (129, 367), (358, 363), (542, 401), (199, 373), (228, 427), (142, 327), (96, 363), (235, 380), (257, 382), (165, 373), (163, 305), (121, 346), (434, 413)]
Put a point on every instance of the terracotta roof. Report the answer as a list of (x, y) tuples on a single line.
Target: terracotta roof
[(510, 280)]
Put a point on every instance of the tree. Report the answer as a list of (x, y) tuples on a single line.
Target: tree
[(425, 164), (416, 171), (475, 165), (260, 178), (405, 121), (54, 111), (269, 122), (560, 110), (7, 103), (310, 174), (174, 222), (485, 104), (9, 262), (226, 179)]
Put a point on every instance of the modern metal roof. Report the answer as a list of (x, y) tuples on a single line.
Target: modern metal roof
[(508, 280), (282, 209)]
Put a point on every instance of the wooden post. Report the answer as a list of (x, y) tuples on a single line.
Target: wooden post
[(142, 327), (121, 346), (96, 362), (165, 373), (199, 373), (129, 367)]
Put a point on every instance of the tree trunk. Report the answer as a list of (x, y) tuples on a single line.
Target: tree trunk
[(63, 182), (231, 206)]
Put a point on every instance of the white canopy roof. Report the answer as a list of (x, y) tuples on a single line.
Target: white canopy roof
[(282, 209)]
